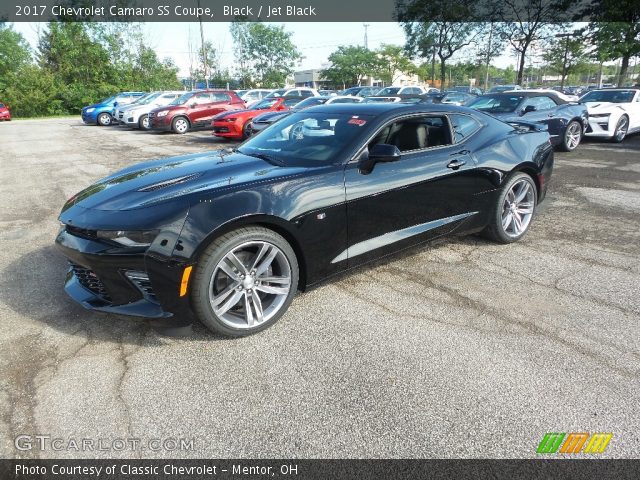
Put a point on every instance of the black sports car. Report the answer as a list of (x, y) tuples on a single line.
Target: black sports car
[(567, 121), (232, 236)]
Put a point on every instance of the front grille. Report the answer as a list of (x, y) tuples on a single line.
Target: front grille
[(142, 283), (221, 129), (90, 281), (81, 232)]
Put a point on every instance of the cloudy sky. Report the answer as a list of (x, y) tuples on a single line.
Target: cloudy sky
[(316, 41)]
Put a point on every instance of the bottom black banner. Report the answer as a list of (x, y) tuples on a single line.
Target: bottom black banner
[(318, 469)]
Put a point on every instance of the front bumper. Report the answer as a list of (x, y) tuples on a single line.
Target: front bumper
[(600, 127), (110, 279), (160, 123), (227, 129), (90, 118)]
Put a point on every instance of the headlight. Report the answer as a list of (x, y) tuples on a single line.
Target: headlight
[(232, 119), (600, 115), (129, 238), (162, 113), (89, 110)]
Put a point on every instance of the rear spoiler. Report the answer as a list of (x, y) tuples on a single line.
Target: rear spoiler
[(528, 126)]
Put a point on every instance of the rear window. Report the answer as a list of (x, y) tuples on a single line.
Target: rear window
[(463, 127)]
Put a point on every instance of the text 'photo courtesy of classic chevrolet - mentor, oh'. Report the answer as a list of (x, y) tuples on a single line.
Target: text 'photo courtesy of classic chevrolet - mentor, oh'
[(230, 236)]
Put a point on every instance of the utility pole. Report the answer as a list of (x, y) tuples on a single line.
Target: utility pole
[(366, 39), (486, 76), (204, 49)]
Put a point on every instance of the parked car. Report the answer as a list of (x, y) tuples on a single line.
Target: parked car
[(5, 114), (466, 89), (564, 96), (360, 91), (263, 120), (613, 113), (504, 88), (119, 109), (566, 121), (294, 92), (255, 95), (136, 115), (457, 98), (328, 93), (232, 236), (101, 113), (408, 90), (194, 109), (235, 125)]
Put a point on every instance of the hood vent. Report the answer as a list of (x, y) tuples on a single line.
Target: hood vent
[(169, 183)]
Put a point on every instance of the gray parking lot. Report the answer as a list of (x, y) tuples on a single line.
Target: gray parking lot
[(462, 348)]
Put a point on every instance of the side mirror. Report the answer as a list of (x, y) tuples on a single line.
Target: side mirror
[(529, 109), (193, 105), (381, 152)]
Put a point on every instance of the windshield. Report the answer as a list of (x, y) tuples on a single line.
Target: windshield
[(277, 93), (264, 104), (388, 91), (182, 99), (307, 139), (613, 96), (309, 102), (109, 99), (147, 99), (496, 103)]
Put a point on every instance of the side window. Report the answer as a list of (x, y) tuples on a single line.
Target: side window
[(202, 98), (415, 133), (545, 103), (463, 127), (220, 97), (306, 93)]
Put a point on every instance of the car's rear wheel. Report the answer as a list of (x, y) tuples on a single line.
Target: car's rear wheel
[(514, 210), (180, 125), (572, 136), (244, 281), (143, 122), (621, 129), (104, 119)]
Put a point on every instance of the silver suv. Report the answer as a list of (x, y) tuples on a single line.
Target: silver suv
[(136, 115)]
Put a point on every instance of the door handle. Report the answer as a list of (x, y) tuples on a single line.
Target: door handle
[(462, 152), (456, 164)]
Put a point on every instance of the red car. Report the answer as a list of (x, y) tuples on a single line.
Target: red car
[(235, 125), (5, 114), (193, 109)]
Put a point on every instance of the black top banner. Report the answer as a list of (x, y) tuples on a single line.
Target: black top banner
[(557, 11)]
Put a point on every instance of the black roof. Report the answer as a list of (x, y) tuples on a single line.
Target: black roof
[(527, 94)]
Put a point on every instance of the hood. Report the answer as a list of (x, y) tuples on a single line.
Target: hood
[(271, 116), (151, 183), (603, 107), (232, 113)]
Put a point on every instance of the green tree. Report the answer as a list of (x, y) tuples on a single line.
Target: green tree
[(392, 63), (439, 28), (350, 64), (266, 53), (33, 92), (565, 56), (14, 53)]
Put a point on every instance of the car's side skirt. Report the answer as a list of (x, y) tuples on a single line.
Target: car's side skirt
[(396, 236)]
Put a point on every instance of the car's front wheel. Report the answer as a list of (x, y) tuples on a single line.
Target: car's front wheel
[(143, 122), (514, 210), (180, 125), (244, 281), (572, 136), (621, 129), (104, 119)]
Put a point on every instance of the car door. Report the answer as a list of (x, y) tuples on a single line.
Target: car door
[(422, 195), (199, 110), (634, 112), (545, 112), (220, 102)]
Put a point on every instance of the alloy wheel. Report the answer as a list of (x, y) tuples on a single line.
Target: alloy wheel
[(573, 135), (517, 209), (621, 129), (250, 284), (145, 122), (104, 119)]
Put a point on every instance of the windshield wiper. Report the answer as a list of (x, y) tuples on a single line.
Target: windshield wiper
[(267, 158)]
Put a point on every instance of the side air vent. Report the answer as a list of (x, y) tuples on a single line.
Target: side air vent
[(169, 183)]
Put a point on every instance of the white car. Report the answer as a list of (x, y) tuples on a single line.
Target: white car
[(294, 92), (255, 95), (613, 112), (550, 91), (137, 114), (408, 90), (118, 110)]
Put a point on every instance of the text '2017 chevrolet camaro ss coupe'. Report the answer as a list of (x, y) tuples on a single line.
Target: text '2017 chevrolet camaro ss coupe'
[(231, 236)]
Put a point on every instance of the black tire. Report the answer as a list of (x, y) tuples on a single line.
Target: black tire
[(180, 125), (569, 140), (207, 267), (105, 119), (495, 230), (621, 129), (246, 130), (143, 122)]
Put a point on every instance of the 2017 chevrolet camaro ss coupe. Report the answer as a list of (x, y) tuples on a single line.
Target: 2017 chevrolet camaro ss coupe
[(230, 236)]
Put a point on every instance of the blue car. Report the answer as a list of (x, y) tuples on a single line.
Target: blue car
[(101, 113)]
